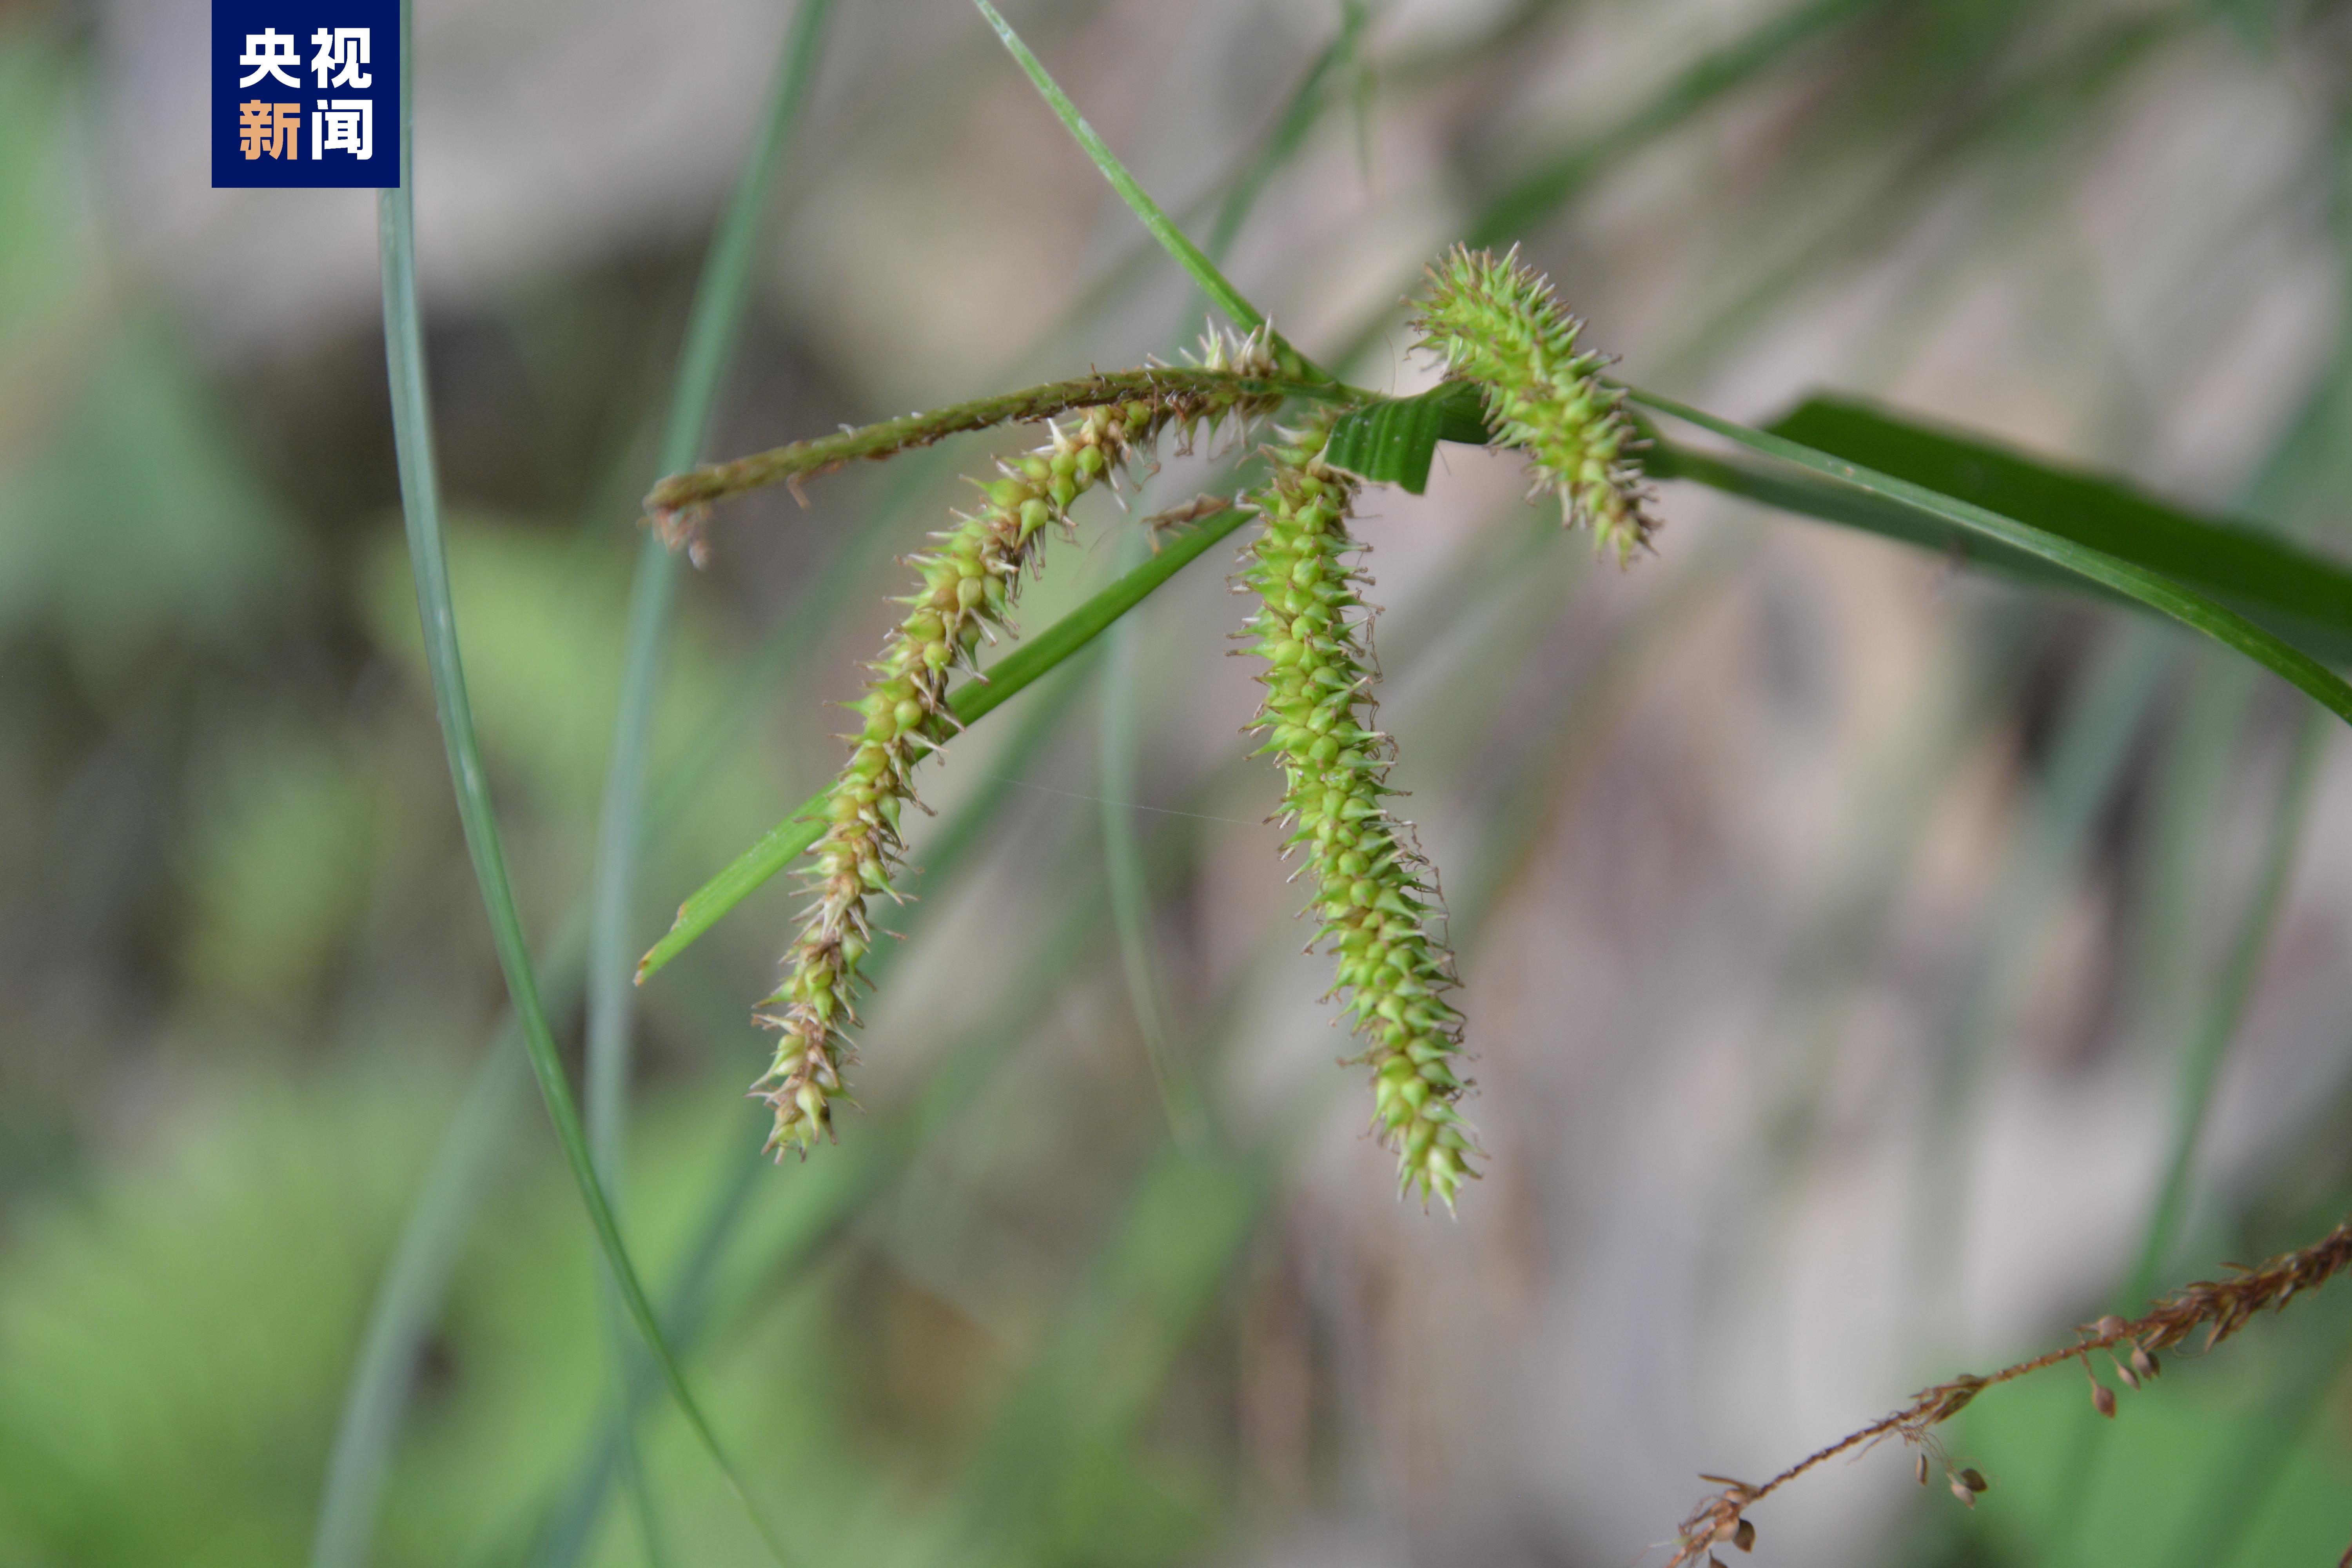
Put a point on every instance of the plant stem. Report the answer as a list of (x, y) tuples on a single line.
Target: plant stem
[(676, 499)]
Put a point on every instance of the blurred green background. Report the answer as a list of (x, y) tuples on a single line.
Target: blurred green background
[(1845, 934)]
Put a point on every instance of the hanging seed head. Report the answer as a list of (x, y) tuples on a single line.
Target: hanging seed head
[(968, 583), (1922, 1467), (1744, 1537), (1961, 1490), (1374, 897), (1973, 1478), (2103, 1398), (1497, 323)]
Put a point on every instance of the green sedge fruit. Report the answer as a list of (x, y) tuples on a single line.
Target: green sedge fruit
[(1371, 897), (1497, 323), (970, 579)]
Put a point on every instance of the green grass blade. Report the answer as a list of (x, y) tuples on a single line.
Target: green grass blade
[(1299, 114), (2201, 1067), (1807, 495), (2126, 578), (863, 1168), (1163, 228), (711, 327), (783, 843), (421, 510), (712, 323), (1118, 740), (2198, 1074), (2092, 744), (410, 1300), (1528, 204), (2303, 596)]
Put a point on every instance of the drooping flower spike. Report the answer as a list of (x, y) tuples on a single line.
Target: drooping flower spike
[(1375, 900), (1369, 888), (1496, 323), (970, 580)]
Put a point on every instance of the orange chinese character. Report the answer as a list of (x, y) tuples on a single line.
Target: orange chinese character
[(274, 129), (255, 127)]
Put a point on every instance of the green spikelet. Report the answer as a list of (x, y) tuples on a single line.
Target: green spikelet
[(1498, 324), (970, 580), (1367, 884)]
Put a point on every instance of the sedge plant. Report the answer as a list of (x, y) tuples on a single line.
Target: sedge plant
[(1516, 375)]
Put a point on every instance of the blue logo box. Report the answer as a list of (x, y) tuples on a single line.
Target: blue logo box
[(306, 93)]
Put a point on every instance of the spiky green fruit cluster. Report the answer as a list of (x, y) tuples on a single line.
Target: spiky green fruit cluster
[(1497, 323), (1370, 891), (970, 580)]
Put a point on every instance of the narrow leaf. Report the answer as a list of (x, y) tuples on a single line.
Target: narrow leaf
[(1163, 228), (421, 510), (1537, 196), (2303, 596), (2120, 576), (783, 843)]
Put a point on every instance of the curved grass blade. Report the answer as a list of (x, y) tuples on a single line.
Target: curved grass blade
[(1532, 201), (410, 1299), (1172, 239), (723, 1212), (712, 322), (2115, 573), (716, 313), (2092, 744), (863, 1168), (2200, 1073), (1072, 945), (421, 512), (984, 694), (2201, 1068), (1118, 740), (1306, 106), (2303, 596), (1537, 195)]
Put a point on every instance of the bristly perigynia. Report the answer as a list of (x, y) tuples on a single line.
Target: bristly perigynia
[(1497, 322), (1374, 898)]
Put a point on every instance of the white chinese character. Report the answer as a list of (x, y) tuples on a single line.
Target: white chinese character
[(269, 52), (344, 125), (341, 51)]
